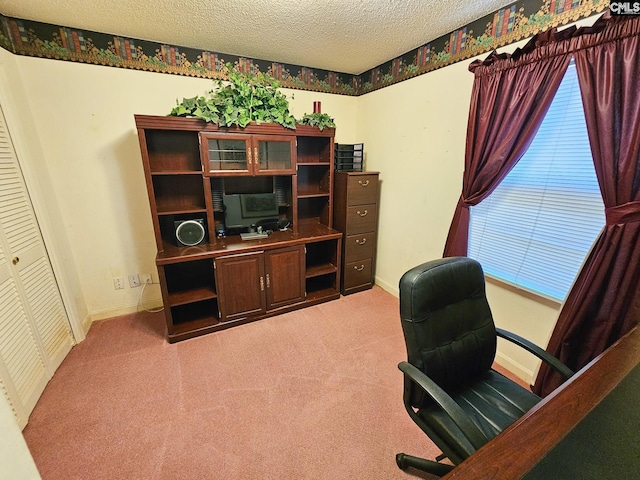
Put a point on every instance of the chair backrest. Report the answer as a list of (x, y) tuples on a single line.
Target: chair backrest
[(447, 323)]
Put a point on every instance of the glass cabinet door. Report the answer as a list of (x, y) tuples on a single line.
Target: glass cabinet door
[(274, 154), (226, 154)]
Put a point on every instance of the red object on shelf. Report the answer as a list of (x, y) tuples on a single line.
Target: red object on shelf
[(316, 107)]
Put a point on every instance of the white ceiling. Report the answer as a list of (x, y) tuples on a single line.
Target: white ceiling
[(349, 36)]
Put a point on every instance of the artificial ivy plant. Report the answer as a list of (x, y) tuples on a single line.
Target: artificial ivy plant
[(246, 98), (320, 120)]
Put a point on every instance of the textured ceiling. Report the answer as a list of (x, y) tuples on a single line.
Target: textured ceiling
[(349, 36)]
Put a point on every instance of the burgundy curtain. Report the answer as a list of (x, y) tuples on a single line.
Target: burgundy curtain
[(510, 96), (604, 302)]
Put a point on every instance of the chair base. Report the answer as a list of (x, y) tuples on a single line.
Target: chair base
[(405, 461)]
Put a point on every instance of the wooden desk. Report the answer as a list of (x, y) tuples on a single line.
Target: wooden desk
[(542, 440)]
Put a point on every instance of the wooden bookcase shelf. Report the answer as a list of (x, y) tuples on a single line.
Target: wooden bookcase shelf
[(226, 281)]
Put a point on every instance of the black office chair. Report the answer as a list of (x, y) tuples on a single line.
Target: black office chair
[(450, 389)]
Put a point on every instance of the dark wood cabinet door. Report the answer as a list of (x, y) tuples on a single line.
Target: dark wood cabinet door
[(241, 282), (285, 280), (226, 154), (274, 154)]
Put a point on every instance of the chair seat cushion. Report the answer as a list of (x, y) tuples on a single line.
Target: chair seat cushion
[(493, 403)]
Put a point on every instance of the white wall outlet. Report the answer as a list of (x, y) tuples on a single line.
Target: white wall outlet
[(145, 279), (118, 283), (134, 280)]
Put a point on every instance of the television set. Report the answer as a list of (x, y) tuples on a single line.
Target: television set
[(244, 211)]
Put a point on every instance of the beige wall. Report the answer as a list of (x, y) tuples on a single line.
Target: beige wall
[(77, 120), (25, 136), (83, 116), (16, 462), (414, 134)]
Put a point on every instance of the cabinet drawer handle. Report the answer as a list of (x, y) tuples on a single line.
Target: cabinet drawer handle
[(249, 155), (363, 214), (15, 260), (363, 184), (359, 269), (262, 284), (268, 281), (361, 242), (256, 159)]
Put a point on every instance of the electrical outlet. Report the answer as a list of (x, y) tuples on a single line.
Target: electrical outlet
[(118, 283), (134, 280), (145, 279)]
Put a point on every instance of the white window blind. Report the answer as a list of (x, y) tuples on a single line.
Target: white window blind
[(536, 228)]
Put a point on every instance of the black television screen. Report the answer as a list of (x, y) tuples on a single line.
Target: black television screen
[(259, 205), (247, 209)]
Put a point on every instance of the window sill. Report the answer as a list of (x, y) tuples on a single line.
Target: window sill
[(525, 292)]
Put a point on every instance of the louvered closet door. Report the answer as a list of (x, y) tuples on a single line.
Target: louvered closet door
[(35, 334)]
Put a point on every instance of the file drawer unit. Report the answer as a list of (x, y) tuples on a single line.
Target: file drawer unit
[(356, 216)]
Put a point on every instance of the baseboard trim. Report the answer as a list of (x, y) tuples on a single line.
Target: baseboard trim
[(393, 290), (514, 367), (124, 310)]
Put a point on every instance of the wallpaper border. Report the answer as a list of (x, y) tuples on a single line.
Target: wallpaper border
[(515, 22)]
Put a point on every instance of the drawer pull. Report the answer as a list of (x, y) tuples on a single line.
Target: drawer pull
[(361, 242), (358, 269), (363, 214), (363, 184)]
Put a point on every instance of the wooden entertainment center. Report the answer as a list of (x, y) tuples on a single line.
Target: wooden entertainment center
[(190, 166)]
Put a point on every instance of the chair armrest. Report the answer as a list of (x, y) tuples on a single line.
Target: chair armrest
[(542, 354), (469, 429)]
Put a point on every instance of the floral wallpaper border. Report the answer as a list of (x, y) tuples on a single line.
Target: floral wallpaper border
[(518, 21)]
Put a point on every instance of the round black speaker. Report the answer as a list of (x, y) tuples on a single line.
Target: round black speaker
[(190, 232)]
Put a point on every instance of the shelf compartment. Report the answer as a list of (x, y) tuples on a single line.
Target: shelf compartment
[(318, 270), (190, 281), (321, 286), (314, 180), (167, 224), (194, 316), (190, 296), (321, 258), (314, 150), (173, 151), (313, 209), (178, 193)]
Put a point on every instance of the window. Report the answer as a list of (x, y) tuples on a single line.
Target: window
[(536, 228)]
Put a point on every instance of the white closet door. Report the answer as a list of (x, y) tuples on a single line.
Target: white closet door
[(35, 334)]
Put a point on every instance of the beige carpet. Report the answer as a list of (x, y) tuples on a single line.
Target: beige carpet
[(312, 394)]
